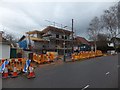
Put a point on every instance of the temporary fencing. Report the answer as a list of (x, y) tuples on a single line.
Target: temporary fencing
[(43, 58), (86, 55)]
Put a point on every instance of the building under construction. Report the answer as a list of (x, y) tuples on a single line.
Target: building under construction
[(49, 39)]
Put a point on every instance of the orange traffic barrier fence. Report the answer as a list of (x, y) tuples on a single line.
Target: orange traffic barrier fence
[(98, 53), (73, 57), (86, 55), (14, 67), (43, 58)]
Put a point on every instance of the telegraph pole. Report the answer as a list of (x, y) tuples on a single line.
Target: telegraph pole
[(72, 36)]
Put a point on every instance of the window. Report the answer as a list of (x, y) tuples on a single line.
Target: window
[(57, 36), (65, 37), (57, 42), (62, 37), (43, 46), (65, 46)]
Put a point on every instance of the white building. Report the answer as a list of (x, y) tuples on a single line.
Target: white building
[(4, 48)]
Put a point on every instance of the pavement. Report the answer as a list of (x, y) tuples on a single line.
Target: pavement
[(100, 72)]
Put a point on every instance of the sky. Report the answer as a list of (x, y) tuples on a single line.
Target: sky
[(18, 16)]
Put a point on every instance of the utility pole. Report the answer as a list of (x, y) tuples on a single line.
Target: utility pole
[(72, 36), (64, 59)]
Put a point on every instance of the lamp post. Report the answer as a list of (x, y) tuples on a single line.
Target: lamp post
[(64, 59), (72, 37)]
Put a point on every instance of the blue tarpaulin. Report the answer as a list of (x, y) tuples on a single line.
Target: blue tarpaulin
[(23, 44)]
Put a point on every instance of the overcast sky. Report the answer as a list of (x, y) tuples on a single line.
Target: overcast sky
[(19, 17)]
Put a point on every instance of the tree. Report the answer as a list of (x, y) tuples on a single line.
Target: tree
[(11, 38), (118, 16), (102, 37), (94, 29), (110, 21)]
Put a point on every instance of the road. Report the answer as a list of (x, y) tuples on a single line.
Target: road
[(100, 72)]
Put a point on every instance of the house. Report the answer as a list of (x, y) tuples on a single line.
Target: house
[(4, 48), (116, 43), (81, 44), (103, 45), (49, 39)]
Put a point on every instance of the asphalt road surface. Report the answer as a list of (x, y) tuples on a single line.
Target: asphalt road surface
[(100, 72)]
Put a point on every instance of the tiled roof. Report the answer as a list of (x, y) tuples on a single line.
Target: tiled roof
[(50, 28), (82, 40)]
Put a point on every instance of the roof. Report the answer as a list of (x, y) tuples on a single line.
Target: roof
[(82, 40), (33, 39), (50, 28), (99, 43), (38, 39), (23, 37), (34, 32), (118, 39)]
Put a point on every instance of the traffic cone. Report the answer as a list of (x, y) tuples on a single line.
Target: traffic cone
[(5, 73), (14, 71), (3, 61), (31, 72)]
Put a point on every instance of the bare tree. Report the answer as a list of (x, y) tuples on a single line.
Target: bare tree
[(118, 16), (102, 37), (94, 29), (110, 21), (11, 38)]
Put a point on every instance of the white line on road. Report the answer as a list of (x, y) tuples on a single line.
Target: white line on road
[(85, 87), (107, 73)]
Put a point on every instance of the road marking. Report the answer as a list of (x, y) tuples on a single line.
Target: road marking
[(107, 73), (85, 87)]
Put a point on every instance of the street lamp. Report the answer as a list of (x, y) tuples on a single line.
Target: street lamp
[(64, 59)]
